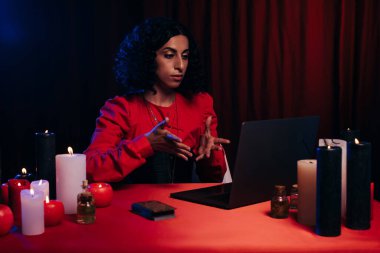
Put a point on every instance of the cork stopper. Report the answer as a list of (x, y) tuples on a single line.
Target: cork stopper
[(280, 189), (85, 184)]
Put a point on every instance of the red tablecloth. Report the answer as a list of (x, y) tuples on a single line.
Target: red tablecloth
[(196, 228)]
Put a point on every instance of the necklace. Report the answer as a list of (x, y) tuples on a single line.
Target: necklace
[(154, 120), (172, 115), (152, 115)]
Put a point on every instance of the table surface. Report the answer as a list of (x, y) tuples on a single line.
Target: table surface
[(196, 228)]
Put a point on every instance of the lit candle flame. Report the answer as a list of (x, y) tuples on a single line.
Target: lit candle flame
[(32, 192), (46, 131), (23, 171), (47, 199), (328, 147), (18, 184), (100, 186), (356, 141), (40, 183), (348, 129), (70, 150)]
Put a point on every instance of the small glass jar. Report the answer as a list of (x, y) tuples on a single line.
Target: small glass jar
[(294, 197), (85, 206), (279, 203)]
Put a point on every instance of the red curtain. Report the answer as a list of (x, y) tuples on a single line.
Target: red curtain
[(265, 59), (273, 59)]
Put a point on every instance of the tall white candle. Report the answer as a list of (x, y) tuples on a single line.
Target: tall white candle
[(343, 145), (32, 212), (41, 185), (70, 172), (307, 191)]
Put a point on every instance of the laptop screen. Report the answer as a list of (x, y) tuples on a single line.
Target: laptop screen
[(267, 155)]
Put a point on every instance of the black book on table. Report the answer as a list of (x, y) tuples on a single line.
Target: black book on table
[(153, 210)]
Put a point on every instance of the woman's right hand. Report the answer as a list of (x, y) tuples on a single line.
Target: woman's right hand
[(164, 141)]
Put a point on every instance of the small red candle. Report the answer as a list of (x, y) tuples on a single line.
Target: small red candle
[(102, 193), (14, 188), (4, 193), (54, 212)]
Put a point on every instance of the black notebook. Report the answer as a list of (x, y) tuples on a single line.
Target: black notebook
[(153, 210), (267, 155)]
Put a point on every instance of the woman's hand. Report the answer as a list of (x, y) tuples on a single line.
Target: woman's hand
[(164, 141), (208, 142)]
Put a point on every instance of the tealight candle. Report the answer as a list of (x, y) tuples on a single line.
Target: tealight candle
[(14, 187), (32, 210), (102, 193), (54, 212), (41, 185), (4, 193), (25, 175), (70, 172)]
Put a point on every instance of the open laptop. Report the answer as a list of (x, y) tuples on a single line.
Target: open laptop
[(267, 155)]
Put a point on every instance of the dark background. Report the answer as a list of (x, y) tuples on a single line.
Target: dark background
[(265, 59)]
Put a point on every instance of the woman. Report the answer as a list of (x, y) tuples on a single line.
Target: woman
[(164, 123)]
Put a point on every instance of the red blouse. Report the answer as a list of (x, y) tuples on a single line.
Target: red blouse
[(119, 145)]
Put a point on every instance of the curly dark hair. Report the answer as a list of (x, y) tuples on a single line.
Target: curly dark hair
[(135, 65)]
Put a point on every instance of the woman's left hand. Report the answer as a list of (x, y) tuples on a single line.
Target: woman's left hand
[(209, 142)]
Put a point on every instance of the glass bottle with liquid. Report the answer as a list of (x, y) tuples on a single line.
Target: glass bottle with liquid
[(85, 206), (294, 197), (279, 203)]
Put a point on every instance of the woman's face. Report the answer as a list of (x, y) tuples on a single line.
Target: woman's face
[(172, 60)]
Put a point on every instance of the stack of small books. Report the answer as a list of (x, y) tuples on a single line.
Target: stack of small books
[(153, 210)]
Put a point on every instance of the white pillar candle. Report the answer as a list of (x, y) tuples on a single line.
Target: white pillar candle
[(41, 185), (343, 145), (307, 191), (32, 212), (70, 172)]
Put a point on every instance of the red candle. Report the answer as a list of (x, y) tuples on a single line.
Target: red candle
[(54, 212), (4, 193), (14, 187), (102, 193)]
